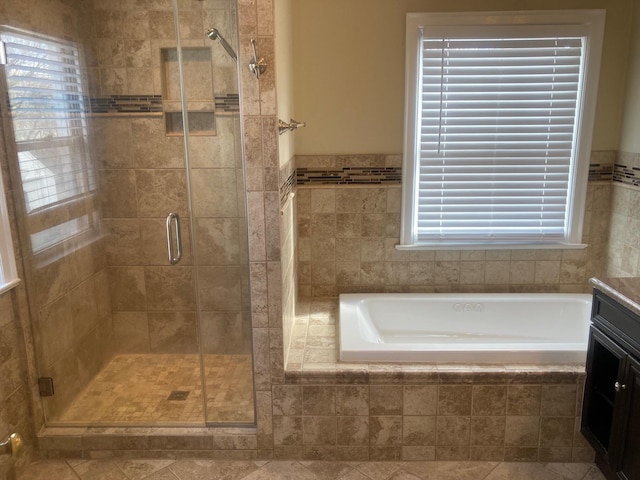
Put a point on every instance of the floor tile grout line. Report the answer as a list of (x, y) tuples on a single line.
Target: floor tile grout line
[(72, 469), (492, 470)]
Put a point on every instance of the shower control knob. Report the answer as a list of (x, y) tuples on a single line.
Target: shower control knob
[(619, 386)]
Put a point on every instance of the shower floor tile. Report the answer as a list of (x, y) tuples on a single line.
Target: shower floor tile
[(137, 389)]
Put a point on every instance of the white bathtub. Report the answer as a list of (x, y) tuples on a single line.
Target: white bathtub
[(467, 328)]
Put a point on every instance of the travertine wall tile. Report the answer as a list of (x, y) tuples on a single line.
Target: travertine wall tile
[(420, 400), (353, 430), (352, 400), (488, 430), (385, 430), (385, 400), (454, 400), (622, 254), (370, 215), (523, 400), (419, 430), (489, 400), (522, 431)]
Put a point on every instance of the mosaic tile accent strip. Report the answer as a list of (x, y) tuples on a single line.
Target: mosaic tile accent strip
[(145, 104), (349, 176), (126, 104), (229, 103), (287, 188), (601, 168), (627, 169), (601, 165), (599, 173)]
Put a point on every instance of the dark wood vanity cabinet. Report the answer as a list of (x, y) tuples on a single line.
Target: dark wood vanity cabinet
[(611, 409)]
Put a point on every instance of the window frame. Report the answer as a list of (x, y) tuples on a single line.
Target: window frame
[(8, 269), (590, 23)]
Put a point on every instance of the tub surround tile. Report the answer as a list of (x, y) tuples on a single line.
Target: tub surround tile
[(385, 400), (352, 400), (454, 400), (353, 431), (370, 215), (489, 400), (455, 411), (523, 399), (419, 430)]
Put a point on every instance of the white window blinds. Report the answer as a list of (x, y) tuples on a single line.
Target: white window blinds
[(45, 97), (496, 136)]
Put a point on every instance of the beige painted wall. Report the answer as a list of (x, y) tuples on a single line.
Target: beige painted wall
[(630, 137), (348, 69), (284, 74)]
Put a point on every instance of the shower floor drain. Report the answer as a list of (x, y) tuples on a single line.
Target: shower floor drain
[(178, 395)]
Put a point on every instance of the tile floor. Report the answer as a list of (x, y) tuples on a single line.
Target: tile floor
[(135, 389), (293, 470)]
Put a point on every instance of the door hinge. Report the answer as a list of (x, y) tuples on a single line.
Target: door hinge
[(45, 386)]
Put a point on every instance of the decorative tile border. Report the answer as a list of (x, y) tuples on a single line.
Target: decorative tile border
[(349, 176), (229, 103), (287, 188), (627, 169), (126, 104), (324, 170), (599, 172), (146, 104)]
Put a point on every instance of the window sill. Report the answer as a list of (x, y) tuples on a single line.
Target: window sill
[(5, 287), (492, 246)]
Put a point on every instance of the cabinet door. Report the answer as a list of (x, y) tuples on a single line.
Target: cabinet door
[(629, 456), (605, 366)]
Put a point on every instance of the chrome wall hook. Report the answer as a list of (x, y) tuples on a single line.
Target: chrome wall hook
[(289, 127), (257, 65)]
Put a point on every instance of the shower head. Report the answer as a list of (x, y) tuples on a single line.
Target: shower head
[(214, 34)]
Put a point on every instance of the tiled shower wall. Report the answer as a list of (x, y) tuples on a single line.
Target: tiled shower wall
[(348, 227), (623, 253), (143, 179)]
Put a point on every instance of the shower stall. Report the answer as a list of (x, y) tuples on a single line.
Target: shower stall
[(124, 147)]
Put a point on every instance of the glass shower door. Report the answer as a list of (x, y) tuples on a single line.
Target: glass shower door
[(216, 180), (121, 334)]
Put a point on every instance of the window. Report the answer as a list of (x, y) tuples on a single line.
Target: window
[(46, 102), (499, 114)]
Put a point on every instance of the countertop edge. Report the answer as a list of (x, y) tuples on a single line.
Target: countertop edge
[(616, 293)]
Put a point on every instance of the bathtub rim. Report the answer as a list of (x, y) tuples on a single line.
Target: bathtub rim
[(359, 350)]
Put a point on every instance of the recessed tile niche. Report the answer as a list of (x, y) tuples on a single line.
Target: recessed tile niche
[(199, 93)]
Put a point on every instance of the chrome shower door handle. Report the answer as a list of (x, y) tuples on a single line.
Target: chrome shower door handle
[(174, 219)]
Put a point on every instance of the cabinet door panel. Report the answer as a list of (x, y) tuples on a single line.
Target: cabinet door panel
[(629, 459), (605, 366)]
